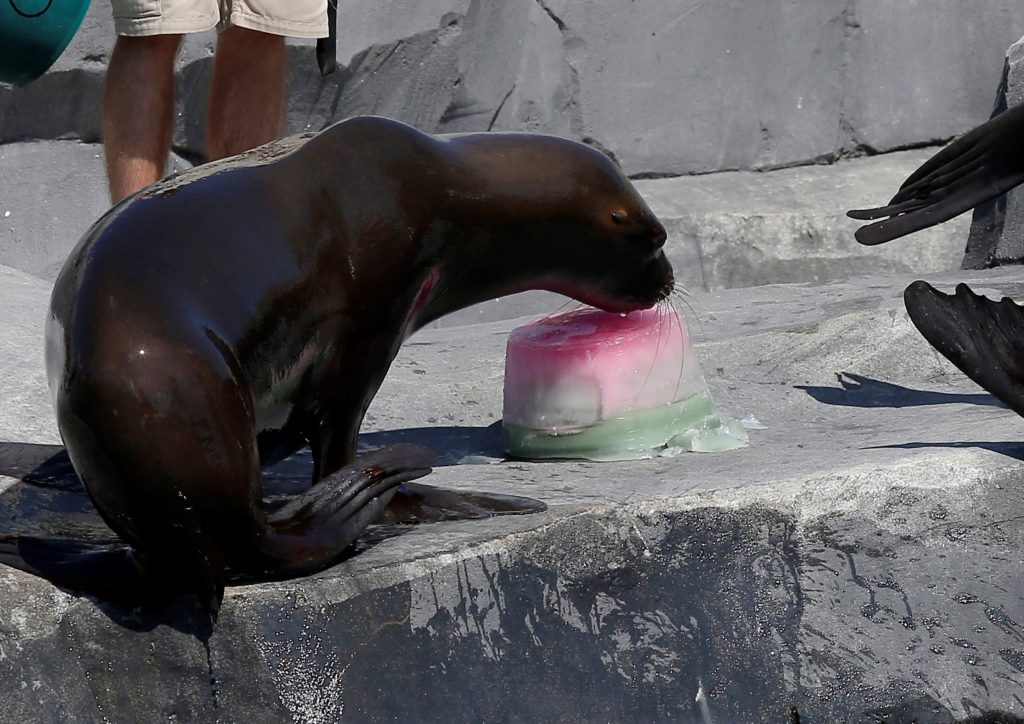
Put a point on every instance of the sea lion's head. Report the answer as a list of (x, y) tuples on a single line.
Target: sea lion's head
[(571, 222), (617, 260)]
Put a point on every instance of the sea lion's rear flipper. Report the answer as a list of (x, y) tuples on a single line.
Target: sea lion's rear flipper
[(985, 339), (415, 503), (979, 166), (107, 571), (313, 529)]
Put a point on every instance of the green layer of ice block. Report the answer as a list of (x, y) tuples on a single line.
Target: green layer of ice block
[(692, 424)]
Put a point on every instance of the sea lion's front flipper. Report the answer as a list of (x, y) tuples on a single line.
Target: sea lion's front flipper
[(979, 166), (416, 503), (313, 529), (985, 339)]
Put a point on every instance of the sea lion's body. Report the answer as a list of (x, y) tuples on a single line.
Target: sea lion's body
[(223, 319)]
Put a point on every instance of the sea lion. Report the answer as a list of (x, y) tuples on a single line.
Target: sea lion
[(220, 320), (983, 338)]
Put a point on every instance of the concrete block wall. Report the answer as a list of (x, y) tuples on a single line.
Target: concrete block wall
[(668, 86)]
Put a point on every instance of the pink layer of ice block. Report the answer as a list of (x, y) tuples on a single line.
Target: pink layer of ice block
[(577, 368)]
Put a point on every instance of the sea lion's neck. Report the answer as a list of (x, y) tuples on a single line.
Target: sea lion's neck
[(461, 224), (487, 233), (479, 258)]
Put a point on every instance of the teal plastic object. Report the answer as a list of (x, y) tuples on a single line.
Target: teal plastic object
[(33, 34)]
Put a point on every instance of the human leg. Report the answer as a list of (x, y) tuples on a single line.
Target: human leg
[(138, 111), (247, 93)]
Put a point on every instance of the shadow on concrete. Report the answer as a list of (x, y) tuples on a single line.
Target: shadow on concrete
[(859, 391), (453, 444), (1013, 450), (49, 504), (49, 500), (45, 465)]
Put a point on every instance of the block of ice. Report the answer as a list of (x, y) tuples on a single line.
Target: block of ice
[(603, 386)]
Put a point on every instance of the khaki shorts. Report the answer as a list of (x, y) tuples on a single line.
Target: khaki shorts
[(294, 18)]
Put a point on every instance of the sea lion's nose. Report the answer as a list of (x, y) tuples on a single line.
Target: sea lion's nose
[(659, 235)]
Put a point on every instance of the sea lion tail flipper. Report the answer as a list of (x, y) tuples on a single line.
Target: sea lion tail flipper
[(314, 528), (107, 571), (983, 338), (977, 167)]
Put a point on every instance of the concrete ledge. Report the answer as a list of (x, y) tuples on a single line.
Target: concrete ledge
[(746, 228), (861, 561), (50, 194)]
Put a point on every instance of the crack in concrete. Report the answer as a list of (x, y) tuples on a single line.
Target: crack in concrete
[(551, 14), (954, 524), (572, 82), (497, 112), (682, 16), (845, 132)]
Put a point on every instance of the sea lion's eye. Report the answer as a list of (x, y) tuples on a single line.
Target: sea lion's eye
[(619, 217)]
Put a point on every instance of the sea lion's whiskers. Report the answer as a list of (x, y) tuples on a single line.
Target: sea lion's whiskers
[(659, 310), (686, 295), (681, 296), (677, 319)]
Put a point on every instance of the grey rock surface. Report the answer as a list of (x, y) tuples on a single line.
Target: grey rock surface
[(860, 561), (24, 400), (903, 57), (668, 87), (746, 229), (734, 85), (997, 228), (51, 192)]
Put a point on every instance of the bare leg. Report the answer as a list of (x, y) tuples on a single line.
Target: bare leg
[(247, 94), (138, 111)]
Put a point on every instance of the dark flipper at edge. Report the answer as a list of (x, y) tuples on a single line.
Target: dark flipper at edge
[(102, 570), (979, 166), (983, 338)]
